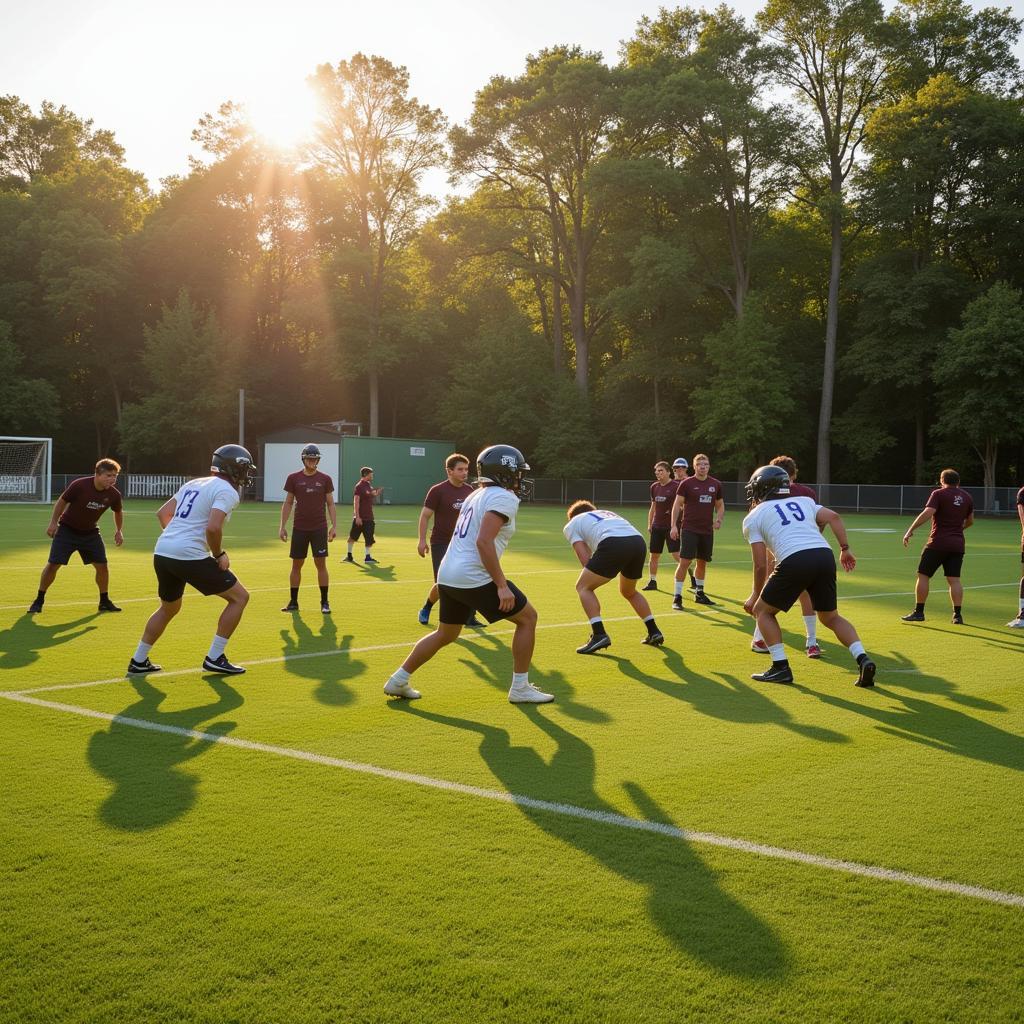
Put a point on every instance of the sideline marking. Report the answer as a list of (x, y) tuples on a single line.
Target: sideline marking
[(1009, 899)]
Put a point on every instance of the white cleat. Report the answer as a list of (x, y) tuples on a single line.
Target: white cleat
[(1017, 623), (527, 693), (393, 688)]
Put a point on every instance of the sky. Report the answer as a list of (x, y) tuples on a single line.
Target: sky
[(148, 72)]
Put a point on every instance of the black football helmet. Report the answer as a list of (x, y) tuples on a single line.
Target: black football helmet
[(765, 482), (235, 462), (311, 452), (504, 465)]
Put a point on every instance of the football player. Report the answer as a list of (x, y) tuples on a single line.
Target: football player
[(190, 551), (663, 494), (312, 494), (608, 546), (697, 512), (680, 471), (791, 528), (470, 578), (362, 514), (1018, 623)]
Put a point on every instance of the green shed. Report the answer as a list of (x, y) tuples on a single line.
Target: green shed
[(405, 467)]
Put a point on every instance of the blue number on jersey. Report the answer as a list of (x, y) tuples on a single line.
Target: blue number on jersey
[(798, 512), (603, 515), (465, 518), (188, 499)]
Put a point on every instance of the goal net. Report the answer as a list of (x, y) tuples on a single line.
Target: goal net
[(25, 464)]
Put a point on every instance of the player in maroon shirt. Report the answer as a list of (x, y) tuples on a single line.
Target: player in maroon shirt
[(362, 514), (73, 528), (663, 495), (951, 511), (702, 506), (680, 471), (443, 504), (312, 494), (1018, 623)]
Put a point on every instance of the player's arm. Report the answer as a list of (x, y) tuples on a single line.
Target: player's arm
[(969, 521), (118, 526), (165, 513), (826, 517), (650, 517), (355, 510), (924, 516), (1020, 515), (759, 556), (58, 511), (720, 510), (332, 515), (426, 514), (215, 537), (286, 511), (489, 527), (582, 552), (677, 511)]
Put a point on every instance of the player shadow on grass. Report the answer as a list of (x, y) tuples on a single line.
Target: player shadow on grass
[(150, 790), (384, 573), (492, 662), (684, 901), (731, 700), (20, 645), (327, 669)]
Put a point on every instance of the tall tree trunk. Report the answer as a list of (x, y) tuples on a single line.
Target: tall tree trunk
[(989, 461), (578, 315), (374, 384), (828, 377), (919, 446)]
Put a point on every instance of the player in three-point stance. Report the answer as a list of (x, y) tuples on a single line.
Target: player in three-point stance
[(791, 528), (362, 514), (698, 511), (190, 550), (608, 546), (311, 492), (1018, 623), (470, 578), (72, 528), (663, 495), (443, 504)]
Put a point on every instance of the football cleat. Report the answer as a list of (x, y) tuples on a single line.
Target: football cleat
[(370, 560), (655, 639), (759, 647), (107, 606), (914, 617), (348, 558), (958, 619), (35, 607), (597, 642), (701, 598), (1017, 623), (291, 606), (677, 603), (138, 668), (424, 617), (393, 688), (527, 693), (652, 585), (776, 674), (222, 665), (813, 651), (866, 674), (325, 608)]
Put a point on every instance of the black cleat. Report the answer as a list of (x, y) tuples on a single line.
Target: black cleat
[(655, 639), (677, 603), (348, 558), (595, 643), (222, 665), (370, 560), (914, 617), (958, 619), (325, 608), (866, 675), (107, 606), (652, 585), (776, 674), (138, 668), (701, 598), (291, 606), (35, 607)]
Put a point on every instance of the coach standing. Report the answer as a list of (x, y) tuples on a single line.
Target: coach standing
[(362, 514)]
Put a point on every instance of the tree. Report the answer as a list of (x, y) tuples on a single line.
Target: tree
[(27, 403)]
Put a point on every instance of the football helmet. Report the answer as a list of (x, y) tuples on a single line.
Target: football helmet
[(311, 452), (504, 465), (234, 462), (766, 481), (681, 462)]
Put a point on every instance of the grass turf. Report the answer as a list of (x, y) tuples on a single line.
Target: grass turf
[(154, 876)]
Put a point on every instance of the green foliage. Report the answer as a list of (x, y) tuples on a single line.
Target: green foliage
[(27, 404), (568, 445)]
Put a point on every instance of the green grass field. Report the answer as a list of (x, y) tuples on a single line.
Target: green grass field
[(157, 875)]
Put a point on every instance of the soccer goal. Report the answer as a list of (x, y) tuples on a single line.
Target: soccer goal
[(25, 464)]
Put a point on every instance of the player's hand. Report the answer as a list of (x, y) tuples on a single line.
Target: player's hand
[(358, 521), (224, 563), (422, 548), (331, 534), (506, 599), (51, 530), (906, 538), (718, 524), (748, 605), (848, 562), (283, 534), (674, 533), (118, 538)]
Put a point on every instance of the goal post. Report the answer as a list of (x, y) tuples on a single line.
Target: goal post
[(26, 464)]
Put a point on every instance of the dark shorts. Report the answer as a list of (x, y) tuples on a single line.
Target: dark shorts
[(303, 540), (437, 552), (619, 555), (459, 603), (366, 530), (659, 535), (951, 562), (67, 541), (696, 545), (813, 570), (201, 573)]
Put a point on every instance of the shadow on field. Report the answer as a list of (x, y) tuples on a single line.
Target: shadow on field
[(384, 573), (327, 670), (20, 645), (684, 899), (149, 788)]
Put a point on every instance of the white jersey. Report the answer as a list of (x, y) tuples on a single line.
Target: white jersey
[(594, 527), (461, 565), (184, 537), (785, 525)]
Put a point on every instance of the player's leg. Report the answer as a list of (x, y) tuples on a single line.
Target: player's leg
[(368, 537), (323, 581), (354, 533), (811, 645), (686, 555), (768, 623), (656, 539), (586, 587), (1018, 623), (956, 597), (46, 578), (294, 582), (235, 599), (155, 627), (437, 553), (94, 553), (453, 615), (640, 604), (705, 548), (524, 639), (926, 568), (848, 637)]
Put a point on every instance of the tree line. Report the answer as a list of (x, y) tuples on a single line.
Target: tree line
[(800, 233)]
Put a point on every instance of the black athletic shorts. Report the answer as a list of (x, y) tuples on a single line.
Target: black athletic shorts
[(615, 555), (67, 541), (813, 570), (366, 530), (459, 603), (659, 535), (201, 573), (303, 540), (696, 545), (437, 552), (951, 562)]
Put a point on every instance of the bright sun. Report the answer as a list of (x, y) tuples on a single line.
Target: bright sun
[(283, 117)]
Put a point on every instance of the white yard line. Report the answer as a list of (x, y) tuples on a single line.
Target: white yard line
[(848, 867)]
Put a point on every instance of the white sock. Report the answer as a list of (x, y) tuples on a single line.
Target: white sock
[(367, 550), (351, 545), (777, 651), (520, 678), (218, 647), (699, 584), (400, 675), (649, 618), (142, 652), (679, 588), (757, 634), (811, 626), (596, 618), (1022, 606), (856, 649)]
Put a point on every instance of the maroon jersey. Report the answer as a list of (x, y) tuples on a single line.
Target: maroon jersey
[(802, 491), (952, 507), (699, 497), (310, 498), (445, 500), (364, 492), (86, 504), (662, 495)]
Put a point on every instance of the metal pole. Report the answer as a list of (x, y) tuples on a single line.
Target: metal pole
[(241, 416)]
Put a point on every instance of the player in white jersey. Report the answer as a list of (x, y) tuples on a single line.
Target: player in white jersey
[(790, 527), (607, 546), (190, 550), (470, 578)]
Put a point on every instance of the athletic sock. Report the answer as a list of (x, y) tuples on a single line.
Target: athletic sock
[(218, 647), (699, 584), (757, 634), (777, 651), (41, 597), (919, 608), (368, 550), (351, 545), (104, 596), (428, 604), (520, 678), (956, 609), (323, 595), (141, 652), (679, 588), (400, 676), (654, 580), (811, 628), (597, 626), (294, 591), (652, 626), (857, 649)]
